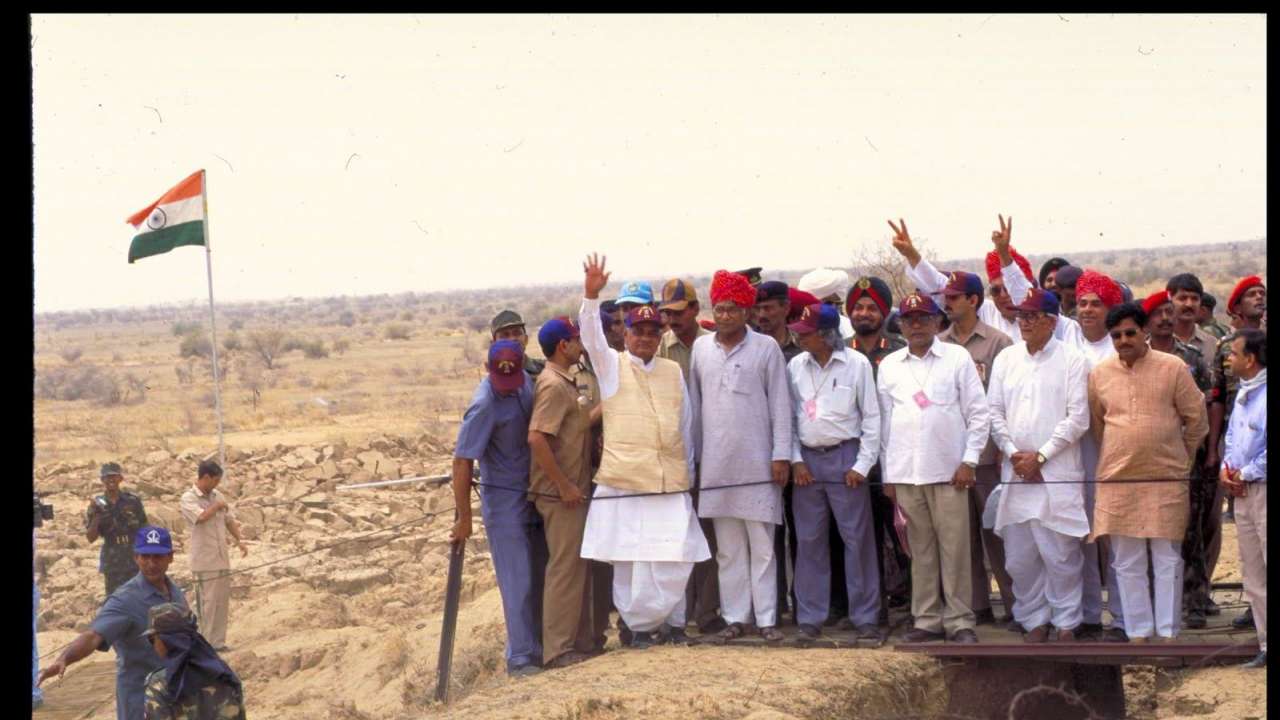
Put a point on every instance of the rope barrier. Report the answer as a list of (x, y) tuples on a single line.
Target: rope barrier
[(826, 482)]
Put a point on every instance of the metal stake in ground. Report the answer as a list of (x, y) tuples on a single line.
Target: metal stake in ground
[(452, 591)]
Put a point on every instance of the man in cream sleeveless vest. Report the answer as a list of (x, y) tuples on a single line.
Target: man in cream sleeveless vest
[(652, 540)]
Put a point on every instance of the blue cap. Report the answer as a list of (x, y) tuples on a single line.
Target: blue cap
[(635, 292), (152, 540), (555, 330), (815, 317), (963, 283), (1039, 300), (772, 290)]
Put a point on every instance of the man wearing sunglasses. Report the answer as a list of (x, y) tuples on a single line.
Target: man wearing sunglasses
[(934, 424), (1039, 411), (1149, 418)]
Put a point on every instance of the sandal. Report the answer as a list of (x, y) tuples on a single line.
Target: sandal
[(732, 631), (771, 634)]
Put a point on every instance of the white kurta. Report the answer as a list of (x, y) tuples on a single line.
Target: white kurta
[(1039, 403), (656, 528)]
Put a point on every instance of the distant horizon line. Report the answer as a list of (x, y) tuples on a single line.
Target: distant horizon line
[(174, 304)]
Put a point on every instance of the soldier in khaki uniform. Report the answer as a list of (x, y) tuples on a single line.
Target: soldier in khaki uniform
[(212, 522)]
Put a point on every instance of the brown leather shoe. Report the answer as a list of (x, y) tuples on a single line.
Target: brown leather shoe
[(1037, 634), (1066, 635), (919, 635), (965, 636)]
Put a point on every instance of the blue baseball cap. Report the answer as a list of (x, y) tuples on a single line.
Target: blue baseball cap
[(557, 329), (815, 317), (1039, 300), (152, 540), (635, 291), (963, 283)]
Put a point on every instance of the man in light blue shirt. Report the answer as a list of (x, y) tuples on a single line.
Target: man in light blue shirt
[(1244, 472)]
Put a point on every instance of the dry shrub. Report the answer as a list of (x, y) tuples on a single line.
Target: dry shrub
[(398, 331), (71, 354), (86, 382)]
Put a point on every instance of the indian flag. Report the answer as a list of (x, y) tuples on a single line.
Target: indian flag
[(177, 218)]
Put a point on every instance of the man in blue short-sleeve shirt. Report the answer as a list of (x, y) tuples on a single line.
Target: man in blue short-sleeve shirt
[(495, 431), (122, 620)]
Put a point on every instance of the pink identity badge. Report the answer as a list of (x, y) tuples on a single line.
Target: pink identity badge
[(811, 408), (921, 399)]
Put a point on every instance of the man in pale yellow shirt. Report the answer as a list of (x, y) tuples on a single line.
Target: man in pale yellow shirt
[(212, 521)]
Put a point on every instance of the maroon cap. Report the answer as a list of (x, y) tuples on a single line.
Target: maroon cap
[(506, 365), (962, 283), (917, 304), (643, 314)]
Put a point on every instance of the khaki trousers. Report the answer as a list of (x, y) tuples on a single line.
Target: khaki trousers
[(1251, 533), (566, 593), (213, 598), (938, 534)]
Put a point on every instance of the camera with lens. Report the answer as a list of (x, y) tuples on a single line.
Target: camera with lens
[(42, 511)]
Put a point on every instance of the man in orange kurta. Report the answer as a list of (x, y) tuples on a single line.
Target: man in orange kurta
[(1149, 418)]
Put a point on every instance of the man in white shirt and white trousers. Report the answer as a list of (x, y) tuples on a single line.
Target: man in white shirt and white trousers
[(934, 424), (653, 540), (1039, 411), (837, 441)]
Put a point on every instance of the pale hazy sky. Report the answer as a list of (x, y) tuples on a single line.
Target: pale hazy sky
[(498, 150)]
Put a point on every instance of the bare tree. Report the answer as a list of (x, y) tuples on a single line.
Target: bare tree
[(879, 259), (267, 345)]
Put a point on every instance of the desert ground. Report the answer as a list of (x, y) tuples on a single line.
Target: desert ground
[(342, 619)]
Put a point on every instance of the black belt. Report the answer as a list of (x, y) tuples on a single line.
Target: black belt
[(828, 448)]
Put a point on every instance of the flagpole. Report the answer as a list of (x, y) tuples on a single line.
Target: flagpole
[(213, 331)]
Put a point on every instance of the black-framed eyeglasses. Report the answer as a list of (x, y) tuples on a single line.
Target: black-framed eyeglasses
[(1027, 318), (1129, 332)]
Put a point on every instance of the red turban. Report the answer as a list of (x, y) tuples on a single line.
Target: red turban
[(1241, 288), (707, 324), (733, 287), (799, 300), (1092, 281), (1154, 301), (993, 266)]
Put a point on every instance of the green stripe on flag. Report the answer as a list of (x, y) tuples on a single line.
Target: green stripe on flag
[(166, 239)]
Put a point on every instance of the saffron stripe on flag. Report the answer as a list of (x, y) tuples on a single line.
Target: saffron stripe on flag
[(190, 187)]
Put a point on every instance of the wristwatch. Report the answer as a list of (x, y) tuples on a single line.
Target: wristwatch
[(1040, 458)]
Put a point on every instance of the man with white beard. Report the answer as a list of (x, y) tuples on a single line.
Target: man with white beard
[(654, 540), (1039, 411)]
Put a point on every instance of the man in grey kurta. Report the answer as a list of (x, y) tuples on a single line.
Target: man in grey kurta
[(739, 389)]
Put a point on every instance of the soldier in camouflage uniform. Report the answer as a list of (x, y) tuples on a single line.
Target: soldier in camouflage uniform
[(194, 684), (1207, 321), (1196, 582), (115, 516), (868, 306)]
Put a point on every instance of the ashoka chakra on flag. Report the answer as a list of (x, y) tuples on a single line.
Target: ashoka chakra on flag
[(177, 218)]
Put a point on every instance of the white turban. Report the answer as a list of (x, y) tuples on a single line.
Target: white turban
[(825, 281)]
